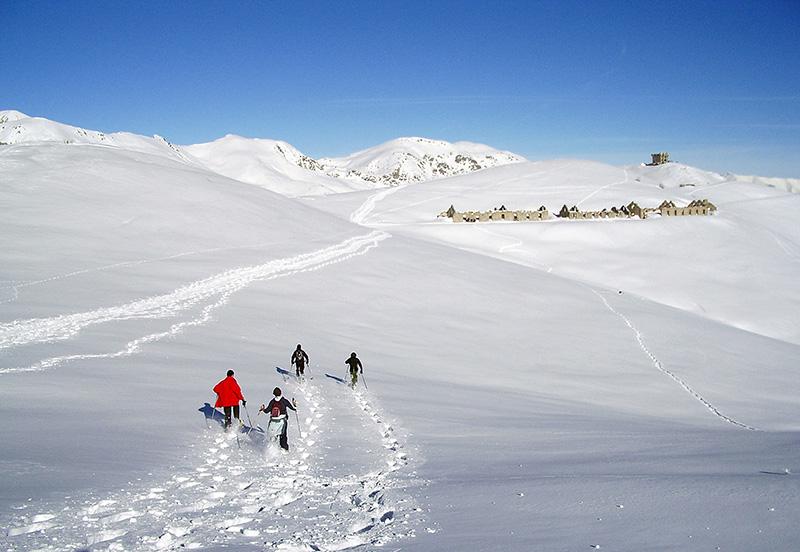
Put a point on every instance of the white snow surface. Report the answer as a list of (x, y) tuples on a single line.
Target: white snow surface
[(559, 385), (271, 164)]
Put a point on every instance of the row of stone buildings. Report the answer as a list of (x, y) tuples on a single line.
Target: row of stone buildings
[(696, 207), (632, 209), (497, 214)]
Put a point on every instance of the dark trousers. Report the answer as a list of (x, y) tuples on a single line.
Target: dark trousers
[(227, 410), (353, 378), (300, 367)]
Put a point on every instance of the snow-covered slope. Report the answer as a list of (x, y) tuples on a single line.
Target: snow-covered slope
[(785, 184), (18, 128), (704, 265), (280, 167), (675, 175), (407, 160), (271, 164), (513, 397)]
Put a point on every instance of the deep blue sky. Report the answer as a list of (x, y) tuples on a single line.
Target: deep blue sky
[(715, 83)]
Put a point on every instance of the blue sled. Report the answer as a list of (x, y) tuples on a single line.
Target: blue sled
[(284, 373), (214, 415)]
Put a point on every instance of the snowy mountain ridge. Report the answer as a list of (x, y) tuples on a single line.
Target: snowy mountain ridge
[(281, 167), (415, 159), (19, 128), (399, 161), (268, 163)]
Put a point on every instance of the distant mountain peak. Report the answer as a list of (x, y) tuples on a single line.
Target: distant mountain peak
[(416, 159), (402, 160)]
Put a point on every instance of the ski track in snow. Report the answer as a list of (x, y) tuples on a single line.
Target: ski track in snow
[(15, 287), (784, 247), (248, 495), (600, 189), (514, 244), (220, 286), (657, 363), (360, 215)]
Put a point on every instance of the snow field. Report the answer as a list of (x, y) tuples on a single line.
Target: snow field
[(214, 292), (237, 490), (660, 367), (541, 409), (750, 248)]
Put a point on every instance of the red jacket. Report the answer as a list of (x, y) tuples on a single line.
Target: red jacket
[(228, 392)]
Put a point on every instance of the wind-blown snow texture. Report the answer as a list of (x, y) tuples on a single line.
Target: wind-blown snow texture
[(617, 384)]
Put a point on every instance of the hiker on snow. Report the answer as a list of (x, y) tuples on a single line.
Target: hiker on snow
[(278, 415), (228, 396), (299, 360), (355, 365)]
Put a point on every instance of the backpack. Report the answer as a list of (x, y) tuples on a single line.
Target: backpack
[(276, 409)]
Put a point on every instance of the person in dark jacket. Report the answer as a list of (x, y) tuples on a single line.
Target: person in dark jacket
[(299, 360), (278, 405), (355, 366), (228, 396)]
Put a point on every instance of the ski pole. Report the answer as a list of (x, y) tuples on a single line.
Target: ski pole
[(297, 417), (248, 415), (249, 421), (364, 381)]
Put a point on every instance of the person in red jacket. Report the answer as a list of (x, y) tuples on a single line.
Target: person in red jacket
[(228, 396)]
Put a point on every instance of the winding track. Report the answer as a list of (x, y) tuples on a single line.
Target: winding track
[(15, 287), (600, 189), (660, 367), (218, 289)]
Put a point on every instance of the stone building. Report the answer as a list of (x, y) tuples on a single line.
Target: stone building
[(696, 207), (660, 158)]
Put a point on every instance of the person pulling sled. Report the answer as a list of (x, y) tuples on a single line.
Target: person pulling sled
[(299, 360), (278, 417)]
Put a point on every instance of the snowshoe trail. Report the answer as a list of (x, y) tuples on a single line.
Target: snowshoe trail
[(363, 212), (15, 286), (214, 292), (250, 495)]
